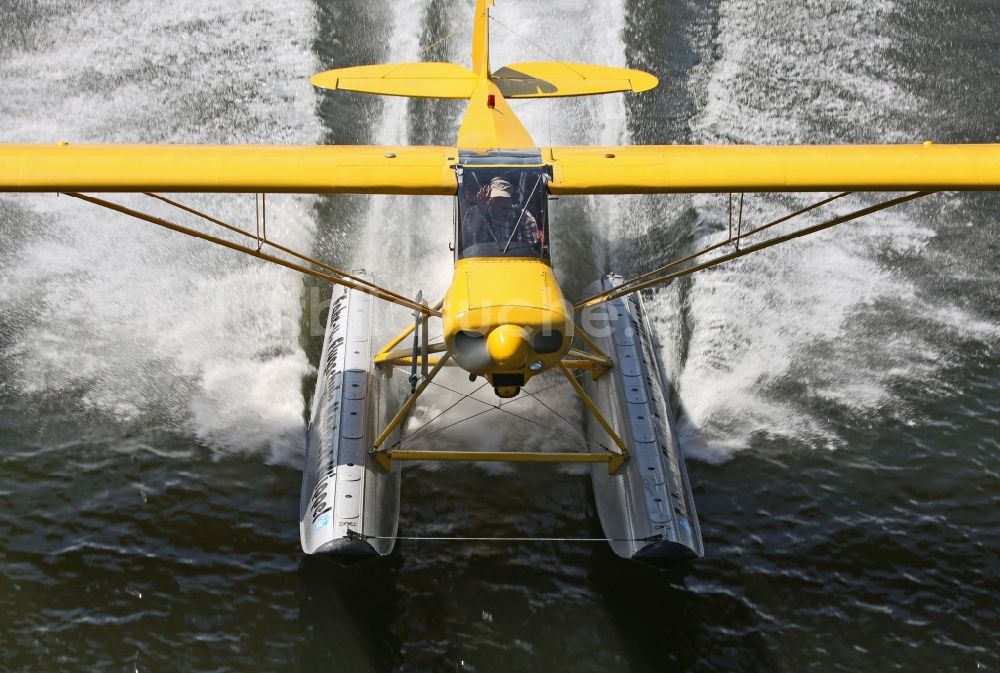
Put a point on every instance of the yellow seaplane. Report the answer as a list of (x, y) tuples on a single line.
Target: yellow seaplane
[(504, 317)]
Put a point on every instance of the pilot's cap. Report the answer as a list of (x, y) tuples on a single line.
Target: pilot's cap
[(500, 188)]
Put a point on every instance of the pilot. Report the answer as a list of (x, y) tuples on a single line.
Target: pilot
[(494, 219)]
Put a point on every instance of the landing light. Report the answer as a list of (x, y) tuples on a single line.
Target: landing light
[(536, 366)]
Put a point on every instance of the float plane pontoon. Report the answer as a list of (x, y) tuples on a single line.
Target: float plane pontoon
[(504, 319)]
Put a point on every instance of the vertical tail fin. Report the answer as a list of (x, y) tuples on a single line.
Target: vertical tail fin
[(481, 39)]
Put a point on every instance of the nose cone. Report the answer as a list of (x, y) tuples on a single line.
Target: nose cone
[(508, 346)]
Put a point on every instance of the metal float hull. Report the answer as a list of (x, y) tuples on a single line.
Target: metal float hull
[(646, 508), (349, 507)]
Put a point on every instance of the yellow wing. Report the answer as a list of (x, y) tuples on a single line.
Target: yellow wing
[(429, 170), (248, 168), (742, 168)]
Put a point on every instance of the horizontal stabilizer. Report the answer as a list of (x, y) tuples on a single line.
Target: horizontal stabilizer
[(521, 80), (556, 79), (416, 80)]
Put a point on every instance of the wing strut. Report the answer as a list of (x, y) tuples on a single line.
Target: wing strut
[(264, 240), (329, 273), (660, 275)]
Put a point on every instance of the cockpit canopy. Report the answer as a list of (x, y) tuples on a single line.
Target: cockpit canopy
[(502, 211)]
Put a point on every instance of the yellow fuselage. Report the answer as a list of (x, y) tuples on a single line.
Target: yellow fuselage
[(506, 319)]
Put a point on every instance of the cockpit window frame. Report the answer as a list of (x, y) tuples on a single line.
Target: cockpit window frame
[(529, 182)]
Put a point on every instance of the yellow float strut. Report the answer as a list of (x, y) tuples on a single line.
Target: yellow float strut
[(614, 460), (385, 354)]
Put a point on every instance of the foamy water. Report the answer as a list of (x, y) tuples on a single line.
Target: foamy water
[(811, 315), (141, 326)]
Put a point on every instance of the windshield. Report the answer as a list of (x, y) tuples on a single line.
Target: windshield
[(501, 213)]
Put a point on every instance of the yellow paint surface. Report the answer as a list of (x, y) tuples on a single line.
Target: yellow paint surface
[(248, 168), (745, 168), (488, 128), (557, 79), (416, 80), (491, 293)]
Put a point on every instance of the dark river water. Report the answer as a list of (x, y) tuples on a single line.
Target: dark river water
[(839, 396)]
